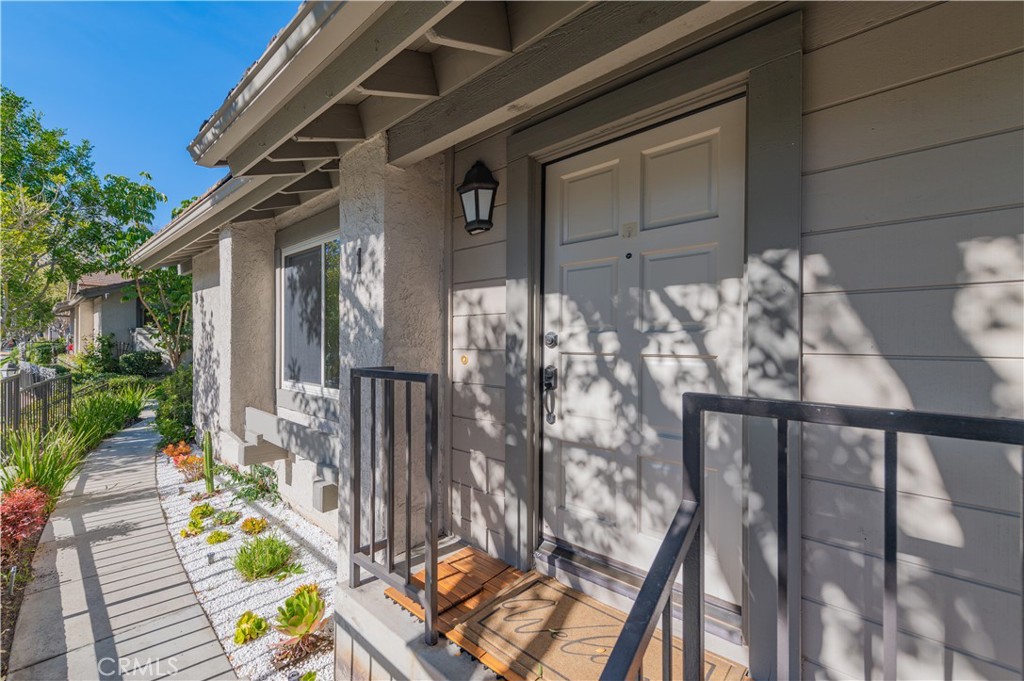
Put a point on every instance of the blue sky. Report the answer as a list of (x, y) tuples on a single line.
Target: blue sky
[(135, 78)]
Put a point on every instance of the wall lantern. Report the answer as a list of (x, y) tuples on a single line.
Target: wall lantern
[(477, 193)]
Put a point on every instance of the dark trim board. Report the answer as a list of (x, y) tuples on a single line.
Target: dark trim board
[(766, 65)]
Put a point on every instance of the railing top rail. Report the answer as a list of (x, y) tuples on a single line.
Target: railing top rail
[(10, 379), (392, 374), (1000, 430), (43, 382)]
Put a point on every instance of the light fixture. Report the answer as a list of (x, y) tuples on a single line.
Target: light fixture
[(477, 193)]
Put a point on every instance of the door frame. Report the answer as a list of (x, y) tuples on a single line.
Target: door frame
[(765, 64)]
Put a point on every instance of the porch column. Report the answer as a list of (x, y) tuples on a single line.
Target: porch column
[(245, 350), (392, 312)]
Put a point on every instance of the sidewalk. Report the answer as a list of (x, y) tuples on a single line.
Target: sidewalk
[(110, 599)]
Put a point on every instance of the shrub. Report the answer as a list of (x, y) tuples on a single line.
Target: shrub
[(300, 619), (249, 626), (201, 512), (226, 517), (43, 352), (254, 525), (141, 363), (174, 406), (98, 355), (217, 536), (260, 484), (23, 512), (45, 462), (262, 557)]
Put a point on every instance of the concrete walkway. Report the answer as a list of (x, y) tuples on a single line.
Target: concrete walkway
[(110, 599)]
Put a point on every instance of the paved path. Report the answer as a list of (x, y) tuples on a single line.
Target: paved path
[(110, 598)]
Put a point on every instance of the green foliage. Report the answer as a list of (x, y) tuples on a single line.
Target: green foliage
[(308, 676), (249, 627), (208, 462), (48, 462), (44, 352), (300, 618), (262, 557), (141, 363), (98, 355), (218, 536), (194, 527), (290, 570), (201, 512), (253, 525), (183, 206), (259, 484), (174, 407), (226, 517), (59, 217)]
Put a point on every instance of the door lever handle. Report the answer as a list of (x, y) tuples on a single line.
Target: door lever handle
[(550, 385)]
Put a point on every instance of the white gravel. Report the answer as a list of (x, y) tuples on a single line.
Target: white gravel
[(223, 593)]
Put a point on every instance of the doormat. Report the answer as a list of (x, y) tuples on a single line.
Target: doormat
[(532, 627)]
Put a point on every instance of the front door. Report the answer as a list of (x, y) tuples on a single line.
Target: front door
[(643, 301)]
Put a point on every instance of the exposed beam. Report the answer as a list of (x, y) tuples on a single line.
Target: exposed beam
[(273, 168), (394, 31), (278, 201), (531, 20), (379, 113), (455, 67), (596, 42), (319, 181), (340, 123), (255, 215), (408, 74), (475, 26), (297, 151)]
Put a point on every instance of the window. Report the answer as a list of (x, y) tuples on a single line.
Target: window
[(310, 317)]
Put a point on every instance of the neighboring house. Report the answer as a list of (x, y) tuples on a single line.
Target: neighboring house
[(818, 201), (97, 307)]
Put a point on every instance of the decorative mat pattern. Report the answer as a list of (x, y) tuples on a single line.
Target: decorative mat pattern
[(532, 627)]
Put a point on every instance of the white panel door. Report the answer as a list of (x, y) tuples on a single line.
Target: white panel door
[(643, 285)]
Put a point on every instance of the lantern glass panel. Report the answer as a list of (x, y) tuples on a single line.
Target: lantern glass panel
[(469, 205), (486, 196)]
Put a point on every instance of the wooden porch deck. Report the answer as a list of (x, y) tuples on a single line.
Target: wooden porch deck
[(525, 626)]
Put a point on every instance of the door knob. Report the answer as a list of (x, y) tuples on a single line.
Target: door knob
[(551, 339)]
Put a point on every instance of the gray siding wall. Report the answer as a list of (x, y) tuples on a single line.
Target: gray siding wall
[(478, 361), (912, 281), (118, 317)]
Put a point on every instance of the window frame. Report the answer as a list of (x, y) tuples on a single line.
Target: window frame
[(316, 389)]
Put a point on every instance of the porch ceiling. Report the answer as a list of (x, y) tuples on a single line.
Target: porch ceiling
[(397, 59)]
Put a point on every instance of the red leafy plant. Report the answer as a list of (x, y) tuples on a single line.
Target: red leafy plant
[(23, 512)]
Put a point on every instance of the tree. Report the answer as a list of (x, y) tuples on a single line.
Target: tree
[(59, 216)]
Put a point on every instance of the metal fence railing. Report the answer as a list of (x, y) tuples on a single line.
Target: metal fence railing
[(378, 552), (40, 405), (684, 542)]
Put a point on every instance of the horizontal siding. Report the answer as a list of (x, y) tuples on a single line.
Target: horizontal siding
[(913, 193), (478, 360)]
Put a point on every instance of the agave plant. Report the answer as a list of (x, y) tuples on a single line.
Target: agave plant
[(249, 626), (300, 619)]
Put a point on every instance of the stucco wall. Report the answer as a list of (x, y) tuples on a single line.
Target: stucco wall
[(119, 317), (206, 362)]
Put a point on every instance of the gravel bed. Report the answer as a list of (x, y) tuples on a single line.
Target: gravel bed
[(221, 590)]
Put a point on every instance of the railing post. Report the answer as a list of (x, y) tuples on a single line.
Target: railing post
[(389, 452), (889, 601), (355, 436), (45, 424), (693, 561), (430, 461), (782, 613)]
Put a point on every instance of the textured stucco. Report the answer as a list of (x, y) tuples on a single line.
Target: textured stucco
[(118, 317), (206, 362)]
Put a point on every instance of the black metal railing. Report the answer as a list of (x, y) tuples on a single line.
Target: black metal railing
[(383, 540), (683, 545), (40, 405)]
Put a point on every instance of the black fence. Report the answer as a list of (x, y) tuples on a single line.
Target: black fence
[(378, 552), (40, 406), (683, 546)]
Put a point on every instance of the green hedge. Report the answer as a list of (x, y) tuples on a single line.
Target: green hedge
[(174, 407), (141, 363)]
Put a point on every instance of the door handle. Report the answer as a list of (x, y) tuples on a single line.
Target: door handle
[(550, 384)]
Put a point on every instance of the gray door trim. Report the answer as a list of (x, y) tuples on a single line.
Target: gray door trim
[(767, 63)]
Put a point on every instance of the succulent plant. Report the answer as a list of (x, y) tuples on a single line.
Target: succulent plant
[(208, 461), (311, 588), (218, 536), (226, 517), (193, 528), (249, 626), (308, 676), (300, 619), (201, 511), (253, 525)]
